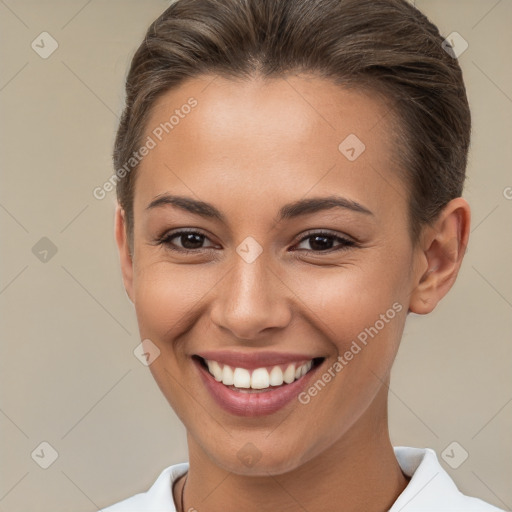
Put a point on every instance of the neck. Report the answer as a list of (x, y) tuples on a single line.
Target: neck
[(359, 471)]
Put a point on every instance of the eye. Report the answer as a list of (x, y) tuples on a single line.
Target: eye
[(192, 241), (323, 241), (186, 241)]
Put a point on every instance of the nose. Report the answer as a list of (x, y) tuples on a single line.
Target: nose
[(251, 300)]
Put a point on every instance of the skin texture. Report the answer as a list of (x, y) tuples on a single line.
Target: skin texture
[(250, 147)]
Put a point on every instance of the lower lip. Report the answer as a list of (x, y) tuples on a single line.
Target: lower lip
[(253, 404)]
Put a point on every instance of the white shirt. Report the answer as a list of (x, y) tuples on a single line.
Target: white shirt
[(430, 489)]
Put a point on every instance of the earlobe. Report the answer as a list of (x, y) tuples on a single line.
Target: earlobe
[(443, 246), (125, 257)]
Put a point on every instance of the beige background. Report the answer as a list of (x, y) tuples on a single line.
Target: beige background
[(69, 376)]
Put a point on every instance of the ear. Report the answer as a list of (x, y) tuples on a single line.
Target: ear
[(124, 251), (442, 248)]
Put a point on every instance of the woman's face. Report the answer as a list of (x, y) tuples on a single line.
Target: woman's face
[(272, 269)]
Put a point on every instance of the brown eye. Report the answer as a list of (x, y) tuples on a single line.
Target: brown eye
[(323, 242), (185, 241)]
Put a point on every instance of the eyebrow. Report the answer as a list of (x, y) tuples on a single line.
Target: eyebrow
[(288, 211)]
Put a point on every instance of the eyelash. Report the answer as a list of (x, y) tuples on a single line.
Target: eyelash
[(165, 240)]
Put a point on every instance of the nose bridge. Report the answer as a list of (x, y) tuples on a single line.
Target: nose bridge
[(251, 298)]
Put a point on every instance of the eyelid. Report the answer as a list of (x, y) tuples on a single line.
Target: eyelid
[(168, 235), (165, 238), (346, 240), (325, 232)]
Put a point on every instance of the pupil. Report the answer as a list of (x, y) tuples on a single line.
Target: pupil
[(195, 241), (321, 246), (188, 242)]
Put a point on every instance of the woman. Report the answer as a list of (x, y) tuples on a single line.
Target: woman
[(289, 177)]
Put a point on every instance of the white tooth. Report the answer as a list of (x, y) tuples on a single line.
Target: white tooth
[(227, 375), (289, 374), (241, 378), (297, 372), (309, 365), (304, 369), (215, 370), (276, 376), (260, 379)]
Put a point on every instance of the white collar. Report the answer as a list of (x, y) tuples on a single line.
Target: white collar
[(431, 488)]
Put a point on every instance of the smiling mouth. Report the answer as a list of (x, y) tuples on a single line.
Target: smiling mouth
[(261, 379)]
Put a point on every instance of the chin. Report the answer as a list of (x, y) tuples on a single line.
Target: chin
[(251, 461)]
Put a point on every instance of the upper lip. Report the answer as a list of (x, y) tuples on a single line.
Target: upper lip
[(253, 360)]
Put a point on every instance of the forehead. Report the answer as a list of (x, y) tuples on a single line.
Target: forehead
[(270, 141)]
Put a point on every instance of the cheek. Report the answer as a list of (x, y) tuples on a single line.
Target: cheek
[(360, 309), (167, 301), (343, 302), (165, 295)]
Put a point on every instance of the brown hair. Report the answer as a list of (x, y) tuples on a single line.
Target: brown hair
[(387, 46)]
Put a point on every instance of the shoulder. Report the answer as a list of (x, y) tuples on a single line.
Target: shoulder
[(431, 488), (158, 498)]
